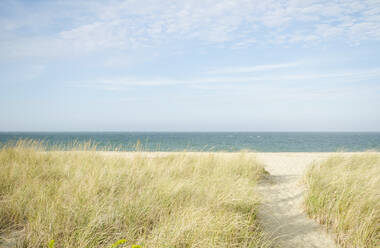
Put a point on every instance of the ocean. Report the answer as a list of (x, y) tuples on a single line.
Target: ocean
[(208, 141)]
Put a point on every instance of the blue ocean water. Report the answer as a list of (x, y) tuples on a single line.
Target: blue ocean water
[(209, 141)]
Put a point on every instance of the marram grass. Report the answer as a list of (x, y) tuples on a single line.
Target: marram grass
[(344, 194), (85, 199)]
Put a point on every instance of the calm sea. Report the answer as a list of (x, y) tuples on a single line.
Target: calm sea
[(209, 141)]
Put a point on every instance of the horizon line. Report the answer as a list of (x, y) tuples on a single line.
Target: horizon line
[(194, 131)]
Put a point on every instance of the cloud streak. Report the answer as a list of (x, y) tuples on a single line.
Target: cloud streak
[(255, 68)]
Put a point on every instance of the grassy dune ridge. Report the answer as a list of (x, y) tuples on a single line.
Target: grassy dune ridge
[(83, 199), (344, 194)]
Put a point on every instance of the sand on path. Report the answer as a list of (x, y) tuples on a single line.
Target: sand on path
[(282, 214)]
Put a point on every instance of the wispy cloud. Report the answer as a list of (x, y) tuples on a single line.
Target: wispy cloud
[(93, 26)]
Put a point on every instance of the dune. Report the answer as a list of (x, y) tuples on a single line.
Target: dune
[(282, 212), (218, 195)]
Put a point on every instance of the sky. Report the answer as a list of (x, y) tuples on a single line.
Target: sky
[(189, 65)]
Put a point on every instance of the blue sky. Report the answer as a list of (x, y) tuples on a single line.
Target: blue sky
[(210, 65)]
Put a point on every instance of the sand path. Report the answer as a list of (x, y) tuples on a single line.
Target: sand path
[(282, 212)]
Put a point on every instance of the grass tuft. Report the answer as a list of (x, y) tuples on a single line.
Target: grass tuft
[(343, 193)]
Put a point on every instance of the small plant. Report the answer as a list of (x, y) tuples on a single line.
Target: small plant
[(119, 242), (51, 243)]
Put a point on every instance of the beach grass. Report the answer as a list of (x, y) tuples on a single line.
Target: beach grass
[(344, 194), (87, 199)]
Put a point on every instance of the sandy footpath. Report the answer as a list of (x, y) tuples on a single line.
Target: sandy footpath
[(282, 213)]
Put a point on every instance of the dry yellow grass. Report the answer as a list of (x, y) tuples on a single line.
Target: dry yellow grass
[(83, 199), (344, 193)]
